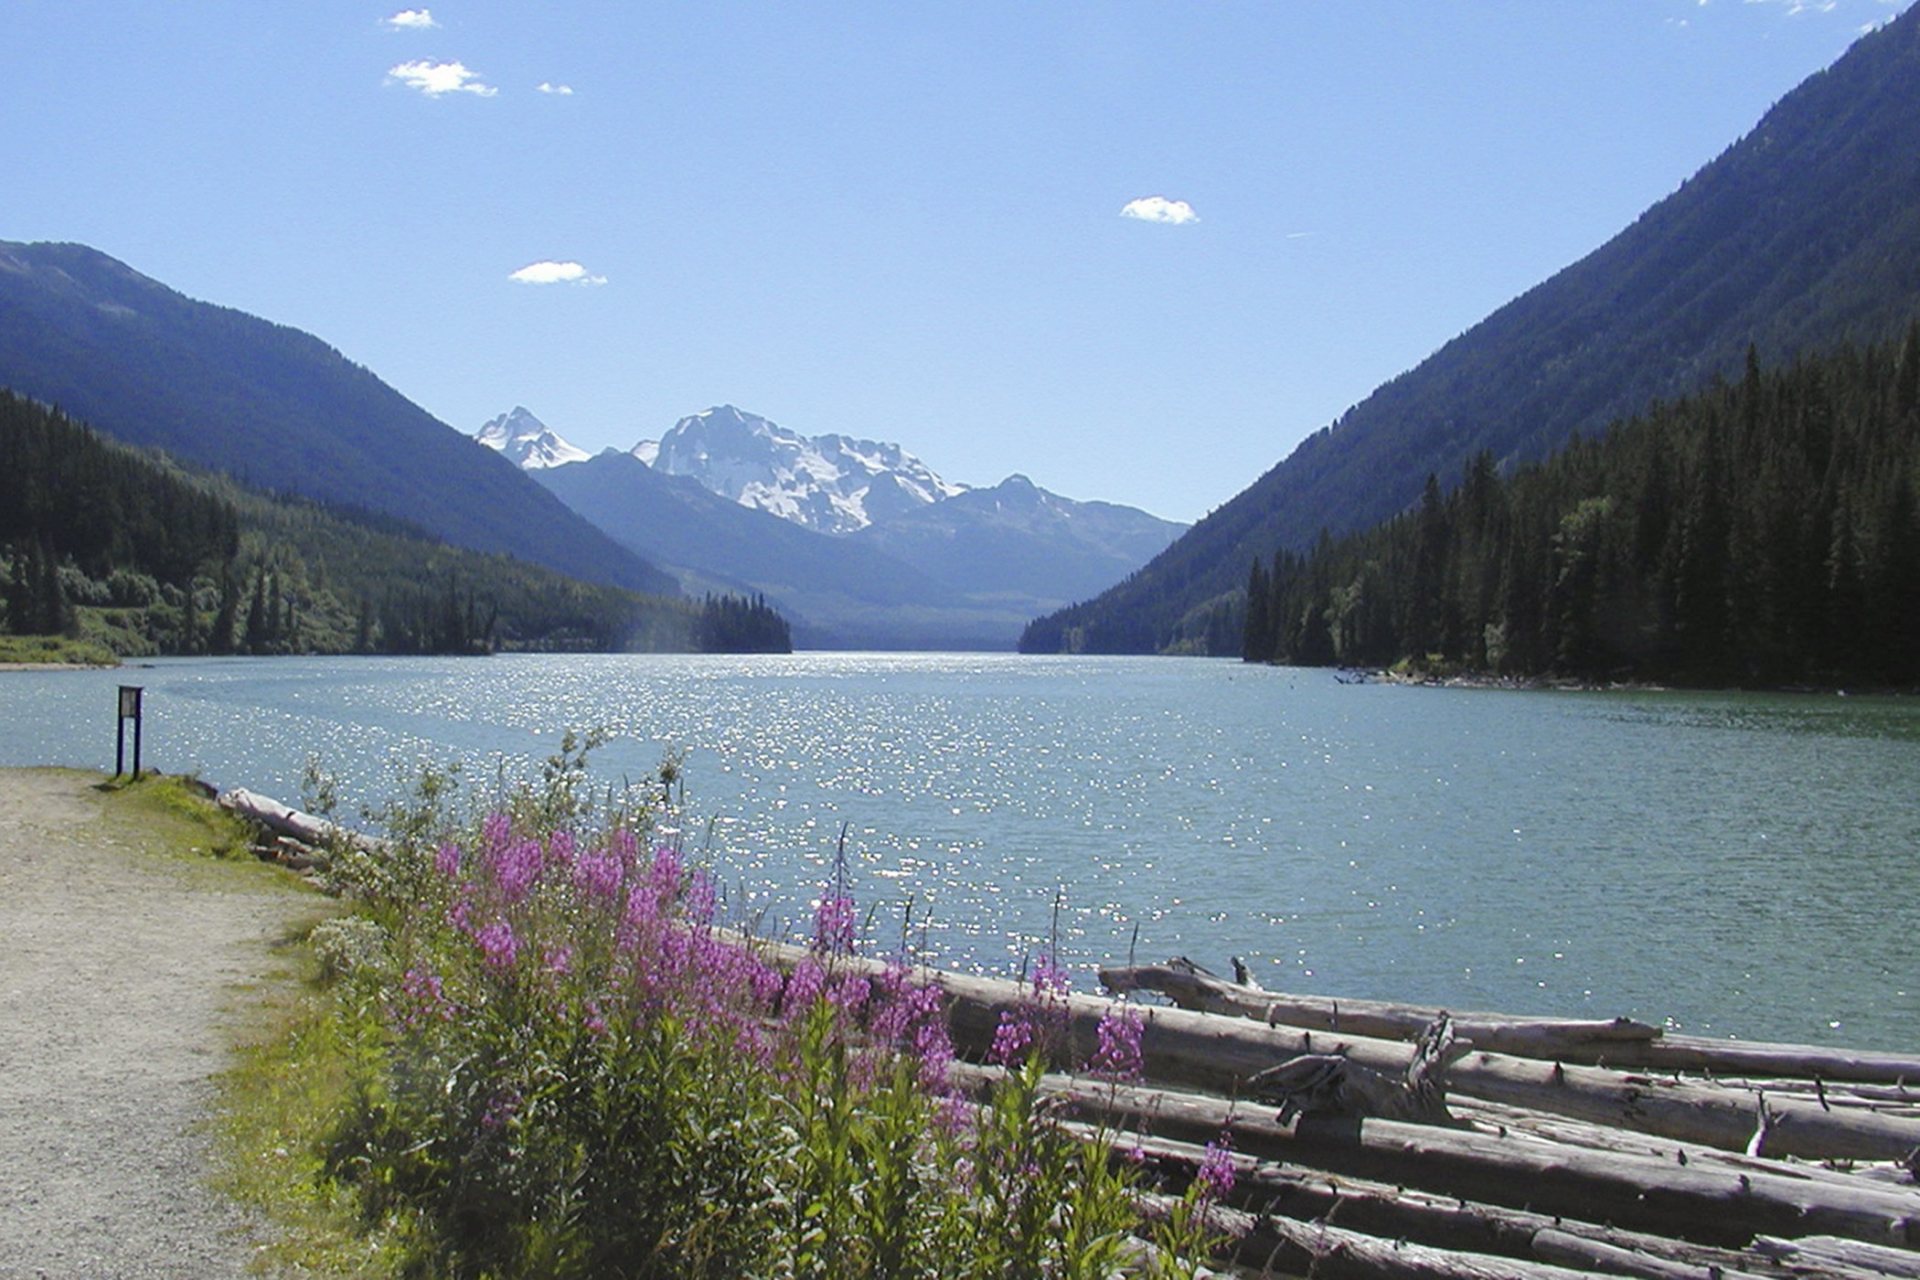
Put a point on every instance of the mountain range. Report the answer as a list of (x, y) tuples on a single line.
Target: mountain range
[(858, 542), (1800, 236)]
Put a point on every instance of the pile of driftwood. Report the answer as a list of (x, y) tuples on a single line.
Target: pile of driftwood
[(1374, 1139), (1379, 1140)]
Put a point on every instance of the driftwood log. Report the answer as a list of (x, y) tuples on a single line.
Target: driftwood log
[(1617, 1042), (1190, 987), (282, 820), (1426, 1218)]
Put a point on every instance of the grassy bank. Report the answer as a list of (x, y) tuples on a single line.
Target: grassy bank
[(54, 651)]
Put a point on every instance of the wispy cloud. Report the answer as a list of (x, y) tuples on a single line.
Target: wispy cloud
[(1160, 209), (436, 78), (411, 20), (558, 90), (555, 273)]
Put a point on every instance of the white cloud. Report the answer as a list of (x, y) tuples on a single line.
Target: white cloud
[(555, 273), (559, 90), (412, 20), (1160, 209), (436, 78)]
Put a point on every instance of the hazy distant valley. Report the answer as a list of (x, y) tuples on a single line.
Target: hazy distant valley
[(858, 542)]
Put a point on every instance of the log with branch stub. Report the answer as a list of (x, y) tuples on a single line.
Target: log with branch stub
[(1615, 1042), (1191, 987)]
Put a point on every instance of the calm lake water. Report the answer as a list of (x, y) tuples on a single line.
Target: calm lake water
[(1734, 864)]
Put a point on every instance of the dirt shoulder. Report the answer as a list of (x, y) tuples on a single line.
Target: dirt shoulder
[(120, 974)]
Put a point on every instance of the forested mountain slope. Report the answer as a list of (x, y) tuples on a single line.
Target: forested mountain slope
[(1761, 532), (1803, 235), (273, 406), (104, 542)]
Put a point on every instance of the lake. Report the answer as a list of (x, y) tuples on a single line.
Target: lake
[(1729, 864)]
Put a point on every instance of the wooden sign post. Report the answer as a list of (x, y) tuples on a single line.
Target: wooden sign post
[(129, 710)]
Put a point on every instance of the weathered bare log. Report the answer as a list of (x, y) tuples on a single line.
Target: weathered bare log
[(1586, 1255), (1332, 1253), (286, 821), (1377, 1019), (1751, 1058), (1711, 1115), (1437, 1221), (1497, 1118), (1827, 1254), (1711, 1206), (1618, 1042)]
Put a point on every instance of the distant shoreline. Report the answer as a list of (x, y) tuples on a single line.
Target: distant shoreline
[(58, 666)]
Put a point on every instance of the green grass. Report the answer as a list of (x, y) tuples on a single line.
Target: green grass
[(56, 649), (291, 1078)]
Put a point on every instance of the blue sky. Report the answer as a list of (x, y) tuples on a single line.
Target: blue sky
[(900, 221)]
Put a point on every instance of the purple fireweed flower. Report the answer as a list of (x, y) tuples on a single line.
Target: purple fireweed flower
[(1011, 1039), (446, 860), (516, 867), (701, 898), (558, 959), (933, 1046), (666, 874), (561, 848), (595, 1021), (494, 834), (804, 986), (833, 922), (1050, 978), (625, 847), (1215, 1178), (498, 944), (597, 873), (849, 995), (765, 980), (1116, 1054)]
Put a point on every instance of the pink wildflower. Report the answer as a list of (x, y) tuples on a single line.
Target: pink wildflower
[(446, 860), (833, 923), (1011, 1039), (498, 944), (1215, 1178), (1116, 1055)]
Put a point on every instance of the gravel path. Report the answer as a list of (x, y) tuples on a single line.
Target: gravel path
[(117, 969)]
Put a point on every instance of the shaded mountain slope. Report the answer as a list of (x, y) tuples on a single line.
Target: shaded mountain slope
[(1804, 234), (272, 405)]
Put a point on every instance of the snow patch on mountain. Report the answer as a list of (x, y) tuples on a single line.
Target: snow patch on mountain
[(527, 442), (831, 483)]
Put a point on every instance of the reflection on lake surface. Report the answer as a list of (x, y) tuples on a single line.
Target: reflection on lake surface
[(1743, 864)]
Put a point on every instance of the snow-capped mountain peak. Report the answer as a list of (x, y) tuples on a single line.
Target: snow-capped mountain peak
[(829, 483), (527, 442)]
